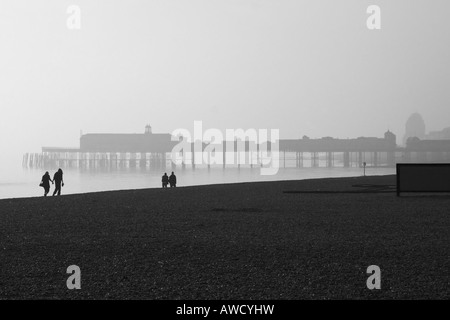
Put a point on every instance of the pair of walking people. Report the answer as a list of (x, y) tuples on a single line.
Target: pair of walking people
[(172, 180), (57, 180)]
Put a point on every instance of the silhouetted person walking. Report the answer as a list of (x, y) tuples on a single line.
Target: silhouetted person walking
[(45, 183), (58, 178), (173, 180), (165, 180)]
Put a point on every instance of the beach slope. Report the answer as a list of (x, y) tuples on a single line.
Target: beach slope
[(236, 241)]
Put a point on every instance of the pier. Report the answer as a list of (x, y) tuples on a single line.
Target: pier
[(154, 152)]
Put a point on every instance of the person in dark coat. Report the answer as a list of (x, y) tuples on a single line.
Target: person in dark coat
[(58, 179), (45, 183), (173, 180), (165, 180)]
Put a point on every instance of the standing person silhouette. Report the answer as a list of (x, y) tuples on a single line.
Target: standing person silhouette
[(45, 183), (173, 180), (58, 178), (165, 180)]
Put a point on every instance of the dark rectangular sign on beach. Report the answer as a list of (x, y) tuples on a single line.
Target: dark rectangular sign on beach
[(423, 177)]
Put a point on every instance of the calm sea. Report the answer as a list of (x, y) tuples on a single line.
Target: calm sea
[(25, 183)]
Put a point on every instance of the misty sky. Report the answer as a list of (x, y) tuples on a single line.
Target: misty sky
[(304, 67)]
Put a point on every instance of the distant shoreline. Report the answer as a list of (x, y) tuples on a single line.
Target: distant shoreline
[(188, 186)]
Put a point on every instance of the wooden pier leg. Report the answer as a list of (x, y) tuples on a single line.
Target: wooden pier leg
[(209, 161), (183, 159), (236, 154), (111, 160), (329, 159), (391, 159), (314, 163), (224, 154), (172, 163), (132, 160), (164, 161), (193, 155), (346, 159), (258, 156), (142, 160)]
